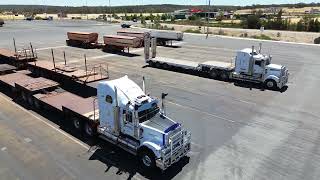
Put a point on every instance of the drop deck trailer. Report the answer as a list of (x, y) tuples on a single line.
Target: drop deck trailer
[(44, 94), (250, 66)]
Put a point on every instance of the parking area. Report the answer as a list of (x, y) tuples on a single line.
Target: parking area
[(238, 132)]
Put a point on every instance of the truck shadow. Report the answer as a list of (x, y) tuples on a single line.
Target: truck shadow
[(124, 162), (126, 54)]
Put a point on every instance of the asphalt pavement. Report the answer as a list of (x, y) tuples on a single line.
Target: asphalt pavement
[(238, 131)]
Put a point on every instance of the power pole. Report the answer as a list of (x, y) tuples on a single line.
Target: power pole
[(110, 10), (208, 16)]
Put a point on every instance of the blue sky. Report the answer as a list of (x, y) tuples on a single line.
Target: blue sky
[(139, 2)]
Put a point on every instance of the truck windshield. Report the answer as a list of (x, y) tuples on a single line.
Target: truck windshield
[(148, 114)]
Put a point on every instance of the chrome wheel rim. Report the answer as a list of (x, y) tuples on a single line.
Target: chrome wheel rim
[(146, 160), (76, 123)]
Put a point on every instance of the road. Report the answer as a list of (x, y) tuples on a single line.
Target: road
[(238, 132)]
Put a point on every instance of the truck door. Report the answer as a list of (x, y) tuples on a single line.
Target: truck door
[(127, 126)]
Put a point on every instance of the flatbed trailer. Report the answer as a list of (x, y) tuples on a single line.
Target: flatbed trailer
[(17, 58), (71, 77)]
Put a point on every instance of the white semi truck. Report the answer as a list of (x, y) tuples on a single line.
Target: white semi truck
[(250, 66), (134, 120)]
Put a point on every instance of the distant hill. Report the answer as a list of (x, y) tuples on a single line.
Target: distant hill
[(163, 8)]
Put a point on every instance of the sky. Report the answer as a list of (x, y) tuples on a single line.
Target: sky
[(139, 2)]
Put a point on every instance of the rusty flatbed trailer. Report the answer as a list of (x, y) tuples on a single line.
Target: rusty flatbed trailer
[(82, 112), (18, 59), (71, 78)]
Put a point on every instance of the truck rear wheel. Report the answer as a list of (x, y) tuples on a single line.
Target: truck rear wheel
[(270, 83), (147, 159), (224, 76), (89, 130), (213, 74), (77, 124)]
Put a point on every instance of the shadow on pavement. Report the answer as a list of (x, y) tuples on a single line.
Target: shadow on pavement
[(113, 156)]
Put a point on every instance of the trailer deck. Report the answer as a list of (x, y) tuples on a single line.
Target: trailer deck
[(176, 62), (36, 84), (6, 68), (13, 78), (18, 58), (218, 65), (61, 71)]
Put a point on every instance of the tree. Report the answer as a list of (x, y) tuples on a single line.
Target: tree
[(300, 26), (316, 25), (311, 26), (252, 22)]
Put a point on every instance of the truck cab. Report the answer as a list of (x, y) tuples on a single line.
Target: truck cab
[(254, 66), (136, 123)]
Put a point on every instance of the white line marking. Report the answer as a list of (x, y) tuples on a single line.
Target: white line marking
[(48, 124), (27, 140), (186, 107), (46, 48), (4, 149)]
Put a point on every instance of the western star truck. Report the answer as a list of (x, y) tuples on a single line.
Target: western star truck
[(250, 66)]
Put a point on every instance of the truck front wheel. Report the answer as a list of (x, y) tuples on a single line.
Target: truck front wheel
[(270, 83), (147, 159)]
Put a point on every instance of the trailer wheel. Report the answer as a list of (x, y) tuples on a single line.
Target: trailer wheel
[(224, 76), (147, 159), (30, 100), (158, 65), (165, 66), (151, 63), (77, 124), (270, 83), (24, 96), (89, 130), (36, 104), (213, 74)]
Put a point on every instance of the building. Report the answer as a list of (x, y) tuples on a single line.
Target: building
[(185, 13)]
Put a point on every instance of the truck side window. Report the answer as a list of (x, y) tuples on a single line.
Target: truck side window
[(127, 117), (257, 63), (109, 99)]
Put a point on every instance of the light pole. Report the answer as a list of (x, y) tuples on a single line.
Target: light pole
[(208, 15), (110, 10)]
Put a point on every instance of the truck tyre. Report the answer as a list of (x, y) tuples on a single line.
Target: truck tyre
[(165, 66), (147, 159), (24, 96), (158, 65), (270, 83), (213, 74), (89, 130), (36, 103), (224, 76), (30, 100), (77, 124)]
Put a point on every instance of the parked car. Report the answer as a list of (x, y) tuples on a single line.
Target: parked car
[(125, 25)]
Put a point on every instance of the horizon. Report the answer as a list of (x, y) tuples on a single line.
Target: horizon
[(97, 3)]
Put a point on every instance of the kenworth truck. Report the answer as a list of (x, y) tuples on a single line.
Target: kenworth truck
[(250, 66)]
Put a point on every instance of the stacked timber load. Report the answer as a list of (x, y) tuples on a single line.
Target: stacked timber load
[(88, 37), (122, 41)]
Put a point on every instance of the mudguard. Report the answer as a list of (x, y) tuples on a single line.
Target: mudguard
[(156, 149)]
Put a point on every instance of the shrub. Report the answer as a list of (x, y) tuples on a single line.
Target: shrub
[(192, 31), (317, 40), (262, 36), (38, 18)]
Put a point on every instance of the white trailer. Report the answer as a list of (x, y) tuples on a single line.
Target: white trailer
[(249, 66), (164, 37)]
